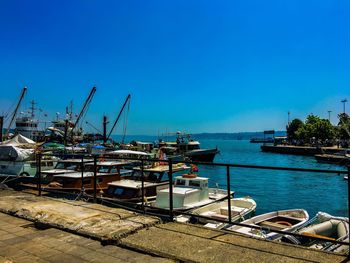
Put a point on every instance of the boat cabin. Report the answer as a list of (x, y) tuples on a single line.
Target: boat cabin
[(188, 191), (106, 172)]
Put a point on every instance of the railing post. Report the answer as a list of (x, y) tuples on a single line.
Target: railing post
[(143, 187), (349, 202), (95, 177), (82, 175), (171, 208), (228, 193), (39, 173)]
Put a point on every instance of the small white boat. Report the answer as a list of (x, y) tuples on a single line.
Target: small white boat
[(189, 192), (325, 226), (241, 209), (284, 220)]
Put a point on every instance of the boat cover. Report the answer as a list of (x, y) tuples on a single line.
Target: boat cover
[(17, 140), (13, 153)]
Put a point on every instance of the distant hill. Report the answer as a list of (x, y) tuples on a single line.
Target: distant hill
[(234, 136)]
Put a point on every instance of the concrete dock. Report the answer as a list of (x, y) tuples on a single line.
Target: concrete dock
[(42, 229)]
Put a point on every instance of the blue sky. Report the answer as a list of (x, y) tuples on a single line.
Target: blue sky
[(196, 66)]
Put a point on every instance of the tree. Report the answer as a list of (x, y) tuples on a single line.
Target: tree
[(316, 130), (292, 128)]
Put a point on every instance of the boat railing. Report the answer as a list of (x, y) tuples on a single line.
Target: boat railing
[(168, 214)]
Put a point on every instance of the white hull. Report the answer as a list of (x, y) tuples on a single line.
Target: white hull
[(284, 220), (241, 209)]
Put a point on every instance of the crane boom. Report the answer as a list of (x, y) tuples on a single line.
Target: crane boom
[(120, 113), (23, 92), (86, 104)]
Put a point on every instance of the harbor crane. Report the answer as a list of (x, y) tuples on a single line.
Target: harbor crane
[(14, 114), (127, 101), (83, 110)]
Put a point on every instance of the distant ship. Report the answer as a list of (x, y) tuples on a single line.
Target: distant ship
[(28, 126)]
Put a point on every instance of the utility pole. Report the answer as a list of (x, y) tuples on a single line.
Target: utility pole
[(1, 126), (344, 101), (105, 129), (329, 115), (288, 118)]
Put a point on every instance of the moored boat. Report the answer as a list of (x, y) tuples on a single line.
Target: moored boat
[(284, 220), (241, 209), (189, 192), (324, 226)]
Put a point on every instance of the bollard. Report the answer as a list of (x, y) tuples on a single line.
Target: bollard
[(143, 187), (95, 177), (171, 208), (228, 194)]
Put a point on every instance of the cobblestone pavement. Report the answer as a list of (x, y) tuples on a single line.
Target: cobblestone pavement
[(21, 242)]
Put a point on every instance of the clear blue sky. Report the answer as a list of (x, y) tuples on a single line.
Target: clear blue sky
[(197, 66)]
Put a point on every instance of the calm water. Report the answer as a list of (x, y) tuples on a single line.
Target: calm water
[(275, 190)]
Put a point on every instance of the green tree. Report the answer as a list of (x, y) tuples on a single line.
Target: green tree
[(292, 128)]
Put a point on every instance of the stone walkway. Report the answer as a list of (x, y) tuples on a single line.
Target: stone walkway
[(21, 242)]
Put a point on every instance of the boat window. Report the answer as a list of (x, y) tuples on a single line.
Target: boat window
[(125, 193), (33, 164), (114, 169), (194, 183), (103, 169), (180, 182)]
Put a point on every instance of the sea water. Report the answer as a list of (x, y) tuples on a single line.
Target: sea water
[(276, 190)]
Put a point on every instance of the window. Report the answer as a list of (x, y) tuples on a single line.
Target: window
[(180, 182), (195, 183)]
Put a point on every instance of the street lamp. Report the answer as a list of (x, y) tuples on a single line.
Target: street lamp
[(344, 101), (329, 115)]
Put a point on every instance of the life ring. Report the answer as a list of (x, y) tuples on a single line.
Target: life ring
[(285, 223), (189, 175)]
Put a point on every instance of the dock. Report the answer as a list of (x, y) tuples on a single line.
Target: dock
[(44, 229), (300, 150)]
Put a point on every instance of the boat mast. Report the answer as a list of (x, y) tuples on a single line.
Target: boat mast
[(23, 92), (120, 113)]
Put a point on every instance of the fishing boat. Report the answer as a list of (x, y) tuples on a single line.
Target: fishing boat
[(284, 220), (188, 148), (241, 209), (324, 226), (155, 178), (107, 171), (190, 191)]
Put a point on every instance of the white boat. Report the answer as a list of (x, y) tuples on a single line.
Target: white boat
[(241, 209), (325, 226), (284, 220), (189, 192)]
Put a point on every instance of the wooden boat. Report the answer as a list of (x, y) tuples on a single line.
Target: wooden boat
[(129, 188), (189, 192), (284, 220), (325, 226), (241, 209), (77, 181)]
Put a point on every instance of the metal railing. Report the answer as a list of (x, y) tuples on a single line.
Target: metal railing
[(171, 212)]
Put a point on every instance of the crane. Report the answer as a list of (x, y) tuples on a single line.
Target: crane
[(23, 92), (83, 110), (120, 113)]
